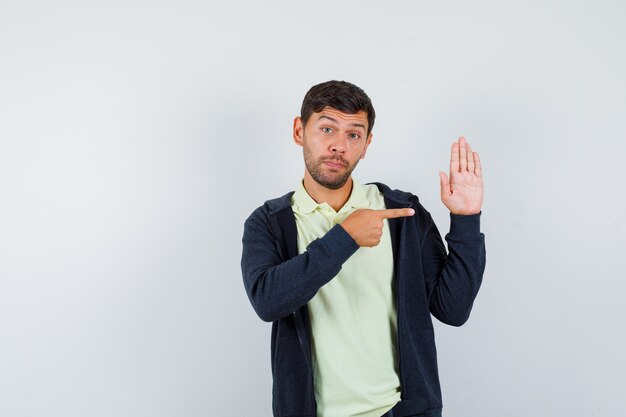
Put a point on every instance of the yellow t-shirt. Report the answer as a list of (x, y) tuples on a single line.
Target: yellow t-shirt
[(353, 317)]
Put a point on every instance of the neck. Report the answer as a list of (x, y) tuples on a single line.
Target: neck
[(334, 198)]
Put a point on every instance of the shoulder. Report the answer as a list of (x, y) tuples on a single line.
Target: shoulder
[(271, 207), (397, 197)]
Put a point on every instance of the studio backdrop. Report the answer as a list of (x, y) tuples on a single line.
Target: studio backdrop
[(137, 136)]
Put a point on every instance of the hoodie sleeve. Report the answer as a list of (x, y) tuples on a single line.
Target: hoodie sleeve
[(277, 287), (453, 278)]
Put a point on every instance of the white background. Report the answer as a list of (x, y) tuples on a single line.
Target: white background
[(136, 137)]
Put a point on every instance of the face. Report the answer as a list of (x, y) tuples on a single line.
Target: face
[(333, 142)]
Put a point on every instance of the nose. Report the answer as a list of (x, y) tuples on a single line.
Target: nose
[(338, 144)]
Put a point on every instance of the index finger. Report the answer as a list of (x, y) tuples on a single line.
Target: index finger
[(454, 157), (395, 213)]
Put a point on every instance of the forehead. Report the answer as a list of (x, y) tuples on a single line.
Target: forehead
[(330, 114)]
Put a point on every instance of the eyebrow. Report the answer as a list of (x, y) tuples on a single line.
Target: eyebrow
[(335, 121)]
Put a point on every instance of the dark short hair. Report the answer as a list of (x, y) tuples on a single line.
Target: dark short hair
[(339, 95)]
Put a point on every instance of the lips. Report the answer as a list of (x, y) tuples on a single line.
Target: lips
[(334, 164)]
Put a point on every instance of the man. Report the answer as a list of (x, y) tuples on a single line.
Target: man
[(349, 274)]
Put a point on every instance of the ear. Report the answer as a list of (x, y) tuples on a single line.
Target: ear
[(298, 130), (367, 144)]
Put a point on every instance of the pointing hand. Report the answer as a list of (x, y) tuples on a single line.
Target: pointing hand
[(365, 226)]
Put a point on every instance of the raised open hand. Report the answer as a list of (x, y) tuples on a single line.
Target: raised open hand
[(462, 193)]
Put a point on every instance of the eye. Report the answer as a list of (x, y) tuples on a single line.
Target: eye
[(354, 136), (327, 130)]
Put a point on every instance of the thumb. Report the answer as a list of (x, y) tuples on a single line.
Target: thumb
[(445, 184)]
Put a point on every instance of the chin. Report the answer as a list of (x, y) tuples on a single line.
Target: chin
[(335, 185)]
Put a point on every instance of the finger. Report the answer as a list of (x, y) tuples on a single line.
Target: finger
[(478, 170), (454, 157), (394, 213), (462, 154), (470, 158), (445, 185)]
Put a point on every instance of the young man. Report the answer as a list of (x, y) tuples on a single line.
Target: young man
[(349, 274)]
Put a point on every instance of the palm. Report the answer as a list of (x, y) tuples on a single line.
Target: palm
[(462, 192)]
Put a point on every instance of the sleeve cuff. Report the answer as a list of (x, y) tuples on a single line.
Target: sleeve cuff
[(465, 225), (340, 242)]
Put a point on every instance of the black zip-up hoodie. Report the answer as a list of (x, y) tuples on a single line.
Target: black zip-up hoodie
[(427, 280)]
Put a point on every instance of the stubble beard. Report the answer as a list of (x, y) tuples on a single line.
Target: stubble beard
[(328, 180)]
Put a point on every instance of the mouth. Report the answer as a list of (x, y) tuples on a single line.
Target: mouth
[(334, 164)]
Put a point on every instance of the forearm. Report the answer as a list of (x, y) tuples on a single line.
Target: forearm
[(455, 278), (277, 287)]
